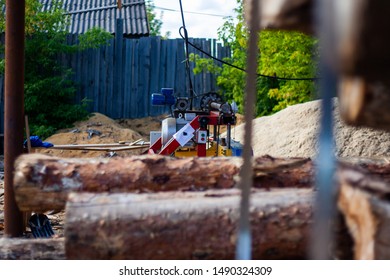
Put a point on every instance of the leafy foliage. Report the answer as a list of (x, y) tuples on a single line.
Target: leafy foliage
[(49, 90), (155, 22), (282, 54)]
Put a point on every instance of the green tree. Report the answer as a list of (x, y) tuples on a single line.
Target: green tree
[(49, 90), (155, 21), (282, 54)]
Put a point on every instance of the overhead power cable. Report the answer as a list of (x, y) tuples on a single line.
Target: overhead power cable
[(244, 70), (187, 12)]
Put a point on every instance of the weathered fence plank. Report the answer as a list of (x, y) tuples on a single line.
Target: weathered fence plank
[(127, 78), (118, 79)]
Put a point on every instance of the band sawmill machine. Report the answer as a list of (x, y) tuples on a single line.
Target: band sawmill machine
[(187, 132)]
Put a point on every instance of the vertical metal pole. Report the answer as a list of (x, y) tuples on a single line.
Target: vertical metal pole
[(244, 242), (325, 204), (14, 110)]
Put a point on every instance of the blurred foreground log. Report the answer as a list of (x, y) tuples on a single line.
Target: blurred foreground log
[(364, 203), (365, 103), (199, 225), (280, 220), (285, 14), (43, 183), (32, 249)]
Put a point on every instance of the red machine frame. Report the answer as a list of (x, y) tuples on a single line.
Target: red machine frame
[(185, 134)]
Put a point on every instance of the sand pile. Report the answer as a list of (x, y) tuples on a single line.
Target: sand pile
[(98, 129), (293, 132), (143, 125), (288, 133)]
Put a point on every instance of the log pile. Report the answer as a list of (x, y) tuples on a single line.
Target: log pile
[(155, 207), (152, 207)]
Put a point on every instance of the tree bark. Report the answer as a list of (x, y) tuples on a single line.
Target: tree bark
[(43, 183), (200, 225), (364, 203), (32, 249), (189, 212), (365, 103)]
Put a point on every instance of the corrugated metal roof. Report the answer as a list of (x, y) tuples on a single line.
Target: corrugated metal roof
[(85, 14)]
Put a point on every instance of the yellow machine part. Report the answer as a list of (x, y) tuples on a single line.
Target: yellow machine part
[(210, 152)]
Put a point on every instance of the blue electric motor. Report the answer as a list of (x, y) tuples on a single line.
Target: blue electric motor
[(164, 98)]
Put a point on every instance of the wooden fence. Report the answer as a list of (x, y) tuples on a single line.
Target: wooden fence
[(120, 77)]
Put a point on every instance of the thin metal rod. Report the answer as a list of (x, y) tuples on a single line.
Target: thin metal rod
[(244, 242), (14, 110), (325, 204)]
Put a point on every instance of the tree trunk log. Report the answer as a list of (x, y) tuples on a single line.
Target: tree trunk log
[(199, 225), (32, 249), (364, 203), (365, 103), (43, 183)]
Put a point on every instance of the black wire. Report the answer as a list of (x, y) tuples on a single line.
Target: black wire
[(188, 12), (242, 69), (191, 89)]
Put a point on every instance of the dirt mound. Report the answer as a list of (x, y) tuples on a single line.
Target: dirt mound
[(98, 129), (143, 125), (293, 132)]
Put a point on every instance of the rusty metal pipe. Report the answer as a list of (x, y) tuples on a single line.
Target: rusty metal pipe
[(14, 110)]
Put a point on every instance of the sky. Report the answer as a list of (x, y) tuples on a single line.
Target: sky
[(202, 17)]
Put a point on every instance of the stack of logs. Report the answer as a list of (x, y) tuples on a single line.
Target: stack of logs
[(155, 207)]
